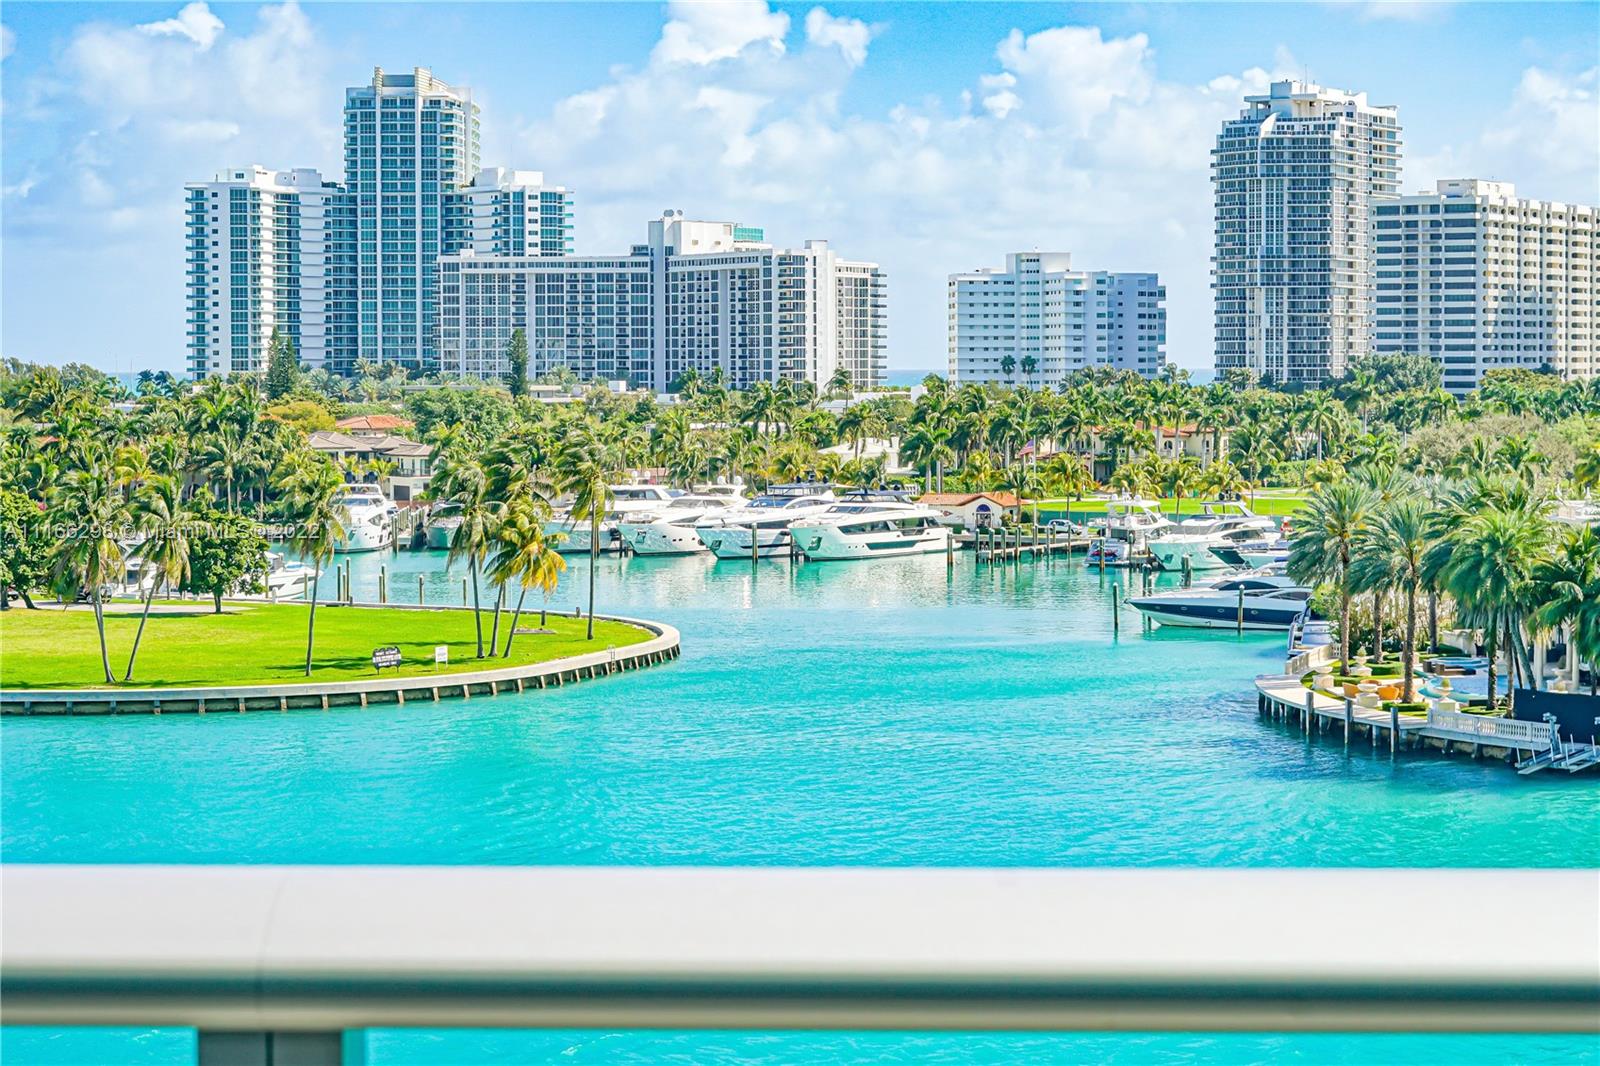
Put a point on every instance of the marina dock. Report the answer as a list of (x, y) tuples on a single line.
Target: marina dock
[(1530, 746)]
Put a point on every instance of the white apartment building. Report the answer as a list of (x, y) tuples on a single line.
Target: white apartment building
[(1037, 321), (1295, 178), (508, 212), (409, 139), (702, 296), (349, 271), (1479, 280), (267, 249)]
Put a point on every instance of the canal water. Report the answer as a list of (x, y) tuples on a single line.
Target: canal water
[(883, 713)]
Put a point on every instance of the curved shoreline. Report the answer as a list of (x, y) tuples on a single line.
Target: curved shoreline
[(237, 699)]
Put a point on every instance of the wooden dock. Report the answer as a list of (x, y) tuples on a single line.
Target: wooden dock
[(1530, 746), (1001, 545)]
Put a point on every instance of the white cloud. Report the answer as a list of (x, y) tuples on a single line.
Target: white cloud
[(1072, 142), (8, 42), (195, 21), (1546, 140), (850, 36), (705, 31), (1398, 10)]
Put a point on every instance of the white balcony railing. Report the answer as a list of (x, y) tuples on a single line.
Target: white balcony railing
[(307, 953)]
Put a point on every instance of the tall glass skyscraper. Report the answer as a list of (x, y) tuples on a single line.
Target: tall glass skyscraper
[(409, 141), (1296, 176)]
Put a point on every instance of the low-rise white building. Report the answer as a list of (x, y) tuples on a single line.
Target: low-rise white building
[(701, 296), (1037, 321), (1479, 279)]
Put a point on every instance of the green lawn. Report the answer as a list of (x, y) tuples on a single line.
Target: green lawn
[(266, 643)]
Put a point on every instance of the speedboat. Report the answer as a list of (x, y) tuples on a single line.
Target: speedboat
[(871, 529), (443, 521), (768, 518), (287, 578), (672, 529), (369, 519), (1253, 554), (572, 532), (1264, 599)]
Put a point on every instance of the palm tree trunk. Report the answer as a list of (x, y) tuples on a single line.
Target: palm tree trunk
[(144, 616), (477, 615), (594, 562), (311, 625), (1433, 619), (494, 633), (1408, 655), (1344, 629), (515, 615), (100, 624), (1489, 637), (1377, 626)]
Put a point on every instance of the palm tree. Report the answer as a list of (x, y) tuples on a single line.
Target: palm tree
[(1568, 593), (1397, 543), (89, 555), (1493, 556), (586, 468), (464, 481), (1326, 534), (523, 553), (164, 524), (310, 485)]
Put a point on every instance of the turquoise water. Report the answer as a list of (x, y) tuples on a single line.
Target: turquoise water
[(877, 713)]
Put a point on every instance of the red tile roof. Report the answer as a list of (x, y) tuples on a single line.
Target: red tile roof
[(374, 423)]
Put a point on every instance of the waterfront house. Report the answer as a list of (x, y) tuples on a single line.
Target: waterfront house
[(411, 462), (972, 510)]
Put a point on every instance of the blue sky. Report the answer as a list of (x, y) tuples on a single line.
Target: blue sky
[(928, 137)]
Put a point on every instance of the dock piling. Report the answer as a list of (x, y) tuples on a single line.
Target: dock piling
[(1241, 609), (1349, 714), (1116, 615), (419, 590)]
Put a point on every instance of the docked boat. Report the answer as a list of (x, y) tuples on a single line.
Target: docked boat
[(443, 521), (572, 532), (369, 519), (1134, 520), (1266, 600), (672, 529), (287, 578), (1203, 542), (871, 530), (767, 518), (1254, 554)]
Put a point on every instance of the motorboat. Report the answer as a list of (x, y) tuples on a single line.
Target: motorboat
[(672, 530), (443, 521), (1260, 599), (1174, 549), (1253, 554), (1104, 552), (870, 529), (369, 519), (571, 533), (767, 518), (1216, 515), (1134, 520), (287, 578)]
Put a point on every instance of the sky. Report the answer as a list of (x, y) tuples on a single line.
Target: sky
[(929, 138)]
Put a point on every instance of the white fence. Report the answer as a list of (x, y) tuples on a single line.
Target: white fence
[(1504, 732)]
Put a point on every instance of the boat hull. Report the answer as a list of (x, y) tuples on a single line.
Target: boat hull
[(827, 545), (734, 543), (439, 537), (662, 539), (1215, 616)]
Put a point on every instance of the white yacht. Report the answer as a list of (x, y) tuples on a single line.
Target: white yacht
[(871, 530), (767, 518), (1134, 520), (573, 531), (369, 519), (287, 578), (1270, 600), (672, 530), (1196, 539)]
